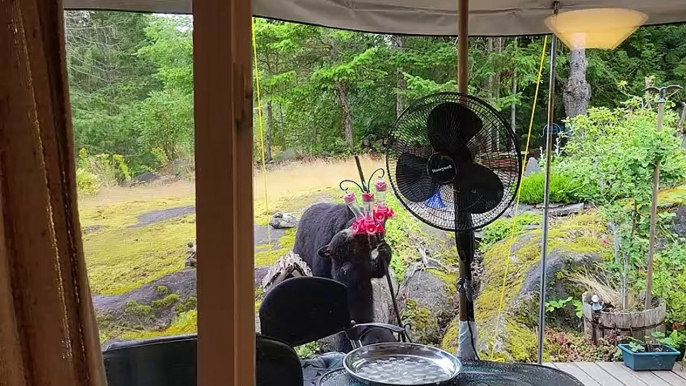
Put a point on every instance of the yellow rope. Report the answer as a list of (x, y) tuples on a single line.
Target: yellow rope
[(519, 192), (261, 128)]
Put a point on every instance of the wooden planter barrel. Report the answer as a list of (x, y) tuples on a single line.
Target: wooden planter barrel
[(635, 324)]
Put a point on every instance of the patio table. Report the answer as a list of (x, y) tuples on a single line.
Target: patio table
[(481, 373)]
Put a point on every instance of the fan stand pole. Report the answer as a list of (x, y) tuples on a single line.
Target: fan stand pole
[(464, 240), (546, 196)]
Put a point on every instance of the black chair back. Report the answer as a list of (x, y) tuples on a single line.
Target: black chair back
[(168, 361), (172, 361), (304, 309), (277, 363)]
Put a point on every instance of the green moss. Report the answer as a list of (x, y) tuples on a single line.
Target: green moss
[(162, 290), (121, 259), (189, 304), (123, 214), (521, 342), (672, 197), (423, 323), (448, 278), (166, 302), (184, 323), (419, 317), (450, 338), (267, 257)]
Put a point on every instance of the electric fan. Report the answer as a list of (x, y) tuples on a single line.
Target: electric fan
[(455, 164)]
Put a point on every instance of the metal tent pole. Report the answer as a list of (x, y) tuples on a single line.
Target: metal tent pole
[(546, 196)]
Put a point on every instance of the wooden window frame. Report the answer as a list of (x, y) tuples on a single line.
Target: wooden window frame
[(48, 332), (224, 201)]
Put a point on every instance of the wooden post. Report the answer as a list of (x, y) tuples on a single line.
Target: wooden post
[(463, 47), (48, 333), (223, 140), (653, 216)]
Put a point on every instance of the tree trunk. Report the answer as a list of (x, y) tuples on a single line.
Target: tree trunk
[(400, 104), (268, 133), (347, 118), (491, 78), (496, 77), (577, 92), (513, 108), (281, 134)]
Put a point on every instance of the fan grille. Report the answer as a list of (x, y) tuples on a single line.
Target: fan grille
[(494, 146)]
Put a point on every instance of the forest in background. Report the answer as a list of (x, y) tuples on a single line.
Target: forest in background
[(324, 92)]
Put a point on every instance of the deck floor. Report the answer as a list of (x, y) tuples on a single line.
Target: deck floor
[(616, 374)]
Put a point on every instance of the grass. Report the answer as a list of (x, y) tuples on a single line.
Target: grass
[(291, 179)]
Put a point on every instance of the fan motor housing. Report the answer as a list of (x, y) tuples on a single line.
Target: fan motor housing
[(441, 168)]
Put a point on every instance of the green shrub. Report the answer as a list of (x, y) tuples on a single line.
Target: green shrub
[(110, 169), (87, 183), (167, 301), (189, 304), (669, 279), (564, 189), (612, 153), (136, 309)]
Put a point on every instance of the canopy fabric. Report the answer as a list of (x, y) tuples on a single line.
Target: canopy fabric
[(413, 17)]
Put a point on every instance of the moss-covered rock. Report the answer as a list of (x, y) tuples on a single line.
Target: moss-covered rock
[(574, 243), (673, 197), (429, 302)]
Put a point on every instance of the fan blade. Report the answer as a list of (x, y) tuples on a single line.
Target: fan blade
[(413, 179), (450, 127), (481, 190)]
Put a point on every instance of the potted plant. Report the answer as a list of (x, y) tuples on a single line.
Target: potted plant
[(653, 355)]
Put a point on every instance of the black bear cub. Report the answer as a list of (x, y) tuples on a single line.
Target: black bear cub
[(325, 241)]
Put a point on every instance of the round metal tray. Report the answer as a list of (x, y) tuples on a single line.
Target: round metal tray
[(480, 373), (406, 364)]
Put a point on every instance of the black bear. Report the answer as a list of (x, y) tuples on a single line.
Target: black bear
[(325, 241)]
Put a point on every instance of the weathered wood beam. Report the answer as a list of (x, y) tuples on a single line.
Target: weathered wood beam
[(48, 333)]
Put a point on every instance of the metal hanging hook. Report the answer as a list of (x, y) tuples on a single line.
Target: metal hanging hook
[(349, 182)]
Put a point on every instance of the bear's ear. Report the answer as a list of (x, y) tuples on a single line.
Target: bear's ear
[(324, 252)]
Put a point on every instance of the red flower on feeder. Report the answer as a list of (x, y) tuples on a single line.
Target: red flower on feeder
[(380, 215), (380, 228), (370, 226), (359, 227)]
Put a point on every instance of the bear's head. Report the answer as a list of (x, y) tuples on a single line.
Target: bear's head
[(347, 246), (351, 256)]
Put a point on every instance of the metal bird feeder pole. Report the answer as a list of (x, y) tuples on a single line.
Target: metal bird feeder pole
[(663, 94)]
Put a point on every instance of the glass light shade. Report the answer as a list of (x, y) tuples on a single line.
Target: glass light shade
[(603, 28)]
